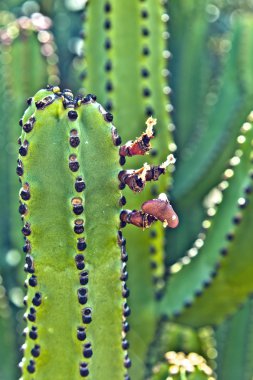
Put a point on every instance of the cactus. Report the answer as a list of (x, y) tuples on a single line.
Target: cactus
[(219, 262), (206, 148), (215, 141), (26, 45), (212, 142), (85, 313), (125, 62), (228, 271), (20, 46), (8, 371), (234, 344), (128, 72)]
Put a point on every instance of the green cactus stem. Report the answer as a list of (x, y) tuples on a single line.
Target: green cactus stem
[(110, 65), (210, 146), (125, 64), (234, 343), (27, 60), (27, 47), (221, 267), (70, 203), (211, 101)]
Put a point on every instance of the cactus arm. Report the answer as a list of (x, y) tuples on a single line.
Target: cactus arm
[(94, 34), (107, 269), (50, 275), (189, 29), (234, 344), (191, 217), (159, 103), (233, 282), (210, 149), (116, 50), (71, 131), (22, 49), (120, 68), (8, 369), (54, 246), (133, 33), (149, 278), (204, 266)]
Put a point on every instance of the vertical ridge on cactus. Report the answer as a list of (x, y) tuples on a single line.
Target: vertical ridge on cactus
[(234, 343), (128, 70), (26, 61), (209, 146), (214, 269), (8, 370), (23, 48)]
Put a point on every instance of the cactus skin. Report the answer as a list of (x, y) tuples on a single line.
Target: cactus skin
[(219, 271), (234, 344), (23, 52), (199, 274), (241, 35), (210, 142), (8, 370), (107, 68), (217, 122), (209, 267), (71, 132), (22, 57), (20, 52), (54, 243), (127, 71)]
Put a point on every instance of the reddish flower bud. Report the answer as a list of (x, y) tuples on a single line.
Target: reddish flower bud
[(162, 210), (137, 218)]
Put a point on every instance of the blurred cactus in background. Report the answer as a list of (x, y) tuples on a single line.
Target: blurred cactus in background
[(189, 64), (27, 60)]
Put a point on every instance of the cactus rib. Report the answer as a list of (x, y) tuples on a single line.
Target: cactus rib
[(212, 271)]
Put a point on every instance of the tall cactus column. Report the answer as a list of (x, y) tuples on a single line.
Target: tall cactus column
[(126, 65), (74, 301), (70, 202), (26, 62)]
